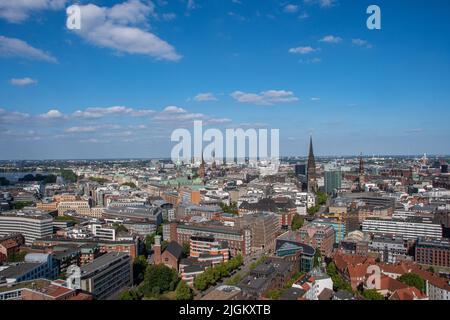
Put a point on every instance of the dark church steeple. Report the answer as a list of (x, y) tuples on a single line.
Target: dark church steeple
[(311, 173)]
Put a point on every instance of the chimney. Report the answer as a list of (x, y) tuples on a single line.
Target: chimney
[(157, 250)]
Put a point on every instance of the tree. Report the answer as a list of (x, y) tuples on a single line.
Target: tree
[(331, 269), (321, 198), (297, 222), (274, 294), (17, 256), (372, 294), (129, 184), (186, 248), (69, 175), (317, 258), (139, 266), (159, 279), (339, 283), (98, 180), (21, 204), (413, 280), (232, 208), (130, 295), (313, 209), (148, 241), (4, 181), (183, 292), (119, 227), (430, 269)]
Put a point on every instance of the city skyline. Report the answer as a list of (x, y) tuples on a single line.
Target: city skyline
[(305, 67)]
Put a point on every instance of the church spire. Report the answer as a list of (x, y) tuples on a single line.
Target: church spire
[(312, 181)]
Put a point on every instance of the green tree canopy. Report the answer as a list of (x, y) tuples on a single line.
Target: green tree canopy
[(159, 279), (129, 184), (413, 280), (372, 294), (297, 222), (139, 266), (321, 198), (317, 258), (68, 175), (183, 292)]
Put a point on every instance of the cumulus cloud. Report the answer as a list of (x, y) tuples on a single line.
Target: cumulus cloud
[(331, 39), (290, 8), (208, 96), (269, 97), (12, 116), (52, 114), (303, 50), (124, 28), (12, 47), (322, 3), (361, 43), (22, 81), (16, 11), (98, 112), (173, 109)]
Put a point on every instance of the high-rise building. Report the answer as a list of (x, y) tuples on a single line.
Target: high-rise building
[(333, 180), (311, 173), (300, 169)]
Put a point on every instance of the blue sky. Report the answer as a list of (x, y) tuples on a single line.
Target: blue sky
[(139, 69)]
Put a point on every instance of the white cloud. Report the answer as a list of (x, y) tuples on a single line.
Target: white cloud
[(52, 114), (208, 96), (322, 3), (269, 97), (302, 50), (12, 116), (124, 28), (315, 99), (19, 10), (99, 112), (22, 81), (361, 43), (80, 129), (11, 47), (290, 8), (173, 109), (331, 39)]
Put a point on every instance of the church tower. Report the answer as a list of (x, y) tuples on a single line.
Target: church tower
[(311, 171)]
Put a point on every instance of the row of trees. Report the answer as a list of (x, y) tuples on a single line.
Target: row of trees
[(22, 204), (339, 283), (98, 180), (213, 274), (51, 178)]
